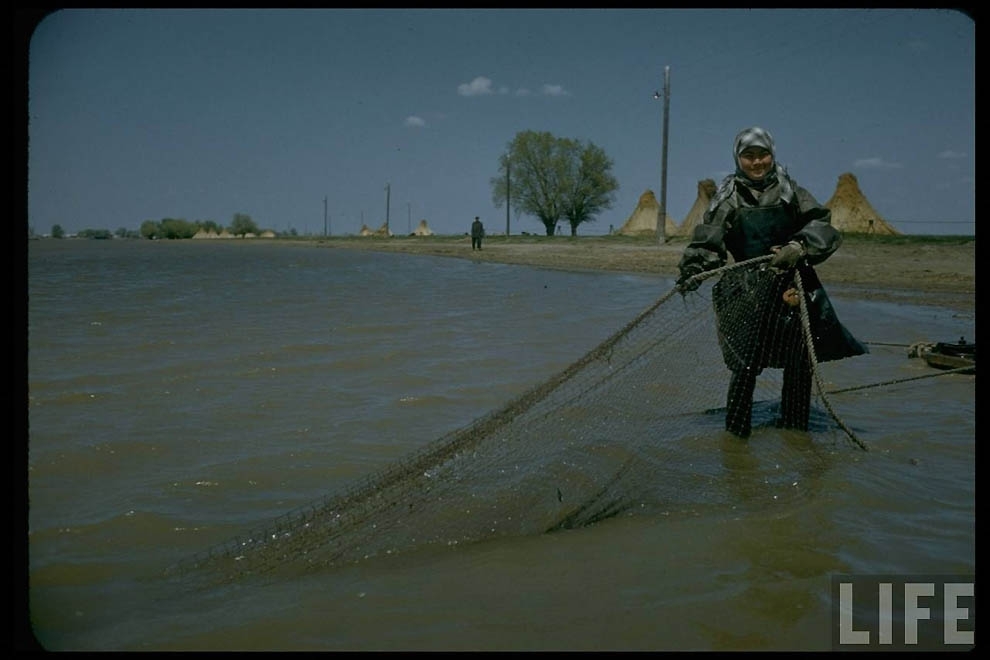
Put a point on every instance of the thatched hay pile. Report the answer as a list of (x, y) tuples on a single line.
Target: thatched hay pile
[(381, 231), (422, 229), (852, 213), (696, 216), (644, 218)]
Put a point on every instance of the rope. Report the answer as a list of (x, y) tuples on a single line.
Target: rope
[(944, 372), (805, 325), (809, 342)]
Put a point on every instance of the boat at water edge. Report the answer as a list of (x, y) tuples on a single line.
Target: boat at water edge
[(946, 355)]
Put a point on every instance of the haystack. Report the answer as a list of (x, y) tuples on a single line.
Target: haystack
[(422, 229), (365, 231), (852, 213), (644, 219), (696, 216)]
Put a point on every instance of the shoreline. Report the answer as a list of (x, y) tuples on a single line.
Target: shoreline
[(905, 270)]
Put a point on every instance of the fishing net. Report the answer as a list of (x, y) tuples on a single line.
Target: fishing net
[(620, 430)]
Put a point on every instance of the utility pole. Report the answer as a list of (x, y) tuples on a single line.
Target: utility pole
[(409, 218), (388, 193), (325, 217), (508, 183), (662, 218)]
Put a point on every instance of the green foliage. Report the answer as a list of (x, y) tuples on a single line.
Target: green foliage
[(174, 228), (209, 226), (243, 224), (57, 231), (150, 229), (554, 178), (95, 233), (590, 187), (178, 228)]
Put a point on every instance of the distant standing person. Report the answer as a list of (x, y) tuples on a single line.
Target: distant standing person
[(477, 233)]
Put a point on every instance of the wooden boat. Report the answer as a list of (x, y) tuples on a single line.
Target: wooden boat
[(945, 355)]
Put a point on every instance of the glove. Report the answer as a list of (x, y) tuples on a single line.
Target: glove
[(787, 256), (685, 283)]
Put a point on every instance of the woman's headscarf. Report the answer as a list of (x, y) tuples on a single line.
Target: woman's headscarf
[(754, 137)]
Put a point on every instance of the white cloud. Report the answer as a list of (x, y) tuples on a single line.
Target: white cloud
[(951, 155), (480, 86), (413, 120), (555, 90), (876, 163)]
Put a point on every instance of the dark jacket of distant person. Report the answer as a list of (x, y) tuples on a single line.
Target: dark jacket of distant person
[(477, 233)]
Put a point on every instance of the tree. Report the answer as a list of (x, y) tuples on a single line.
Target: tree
[(591, 188), (57, 231), (174, 228), (150, 229), (95, 233), (209, 226), (554, 178), (243, 224)]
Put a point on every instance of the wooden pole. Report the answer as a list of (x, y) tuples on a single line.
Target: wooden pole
[(508, 182), (662, 220)]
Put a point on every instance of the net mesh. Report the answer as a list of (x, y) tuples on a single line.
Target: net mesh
[(619, 430)]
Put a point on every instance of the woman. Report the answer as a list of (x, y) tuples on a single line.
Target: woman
[(758, 211)]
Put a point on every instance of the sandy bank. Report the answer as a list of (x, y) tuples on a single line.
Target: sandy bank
[(940, 272)]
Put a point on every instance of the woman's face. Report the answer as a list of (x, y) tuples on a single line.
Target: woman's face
[(755, 162)]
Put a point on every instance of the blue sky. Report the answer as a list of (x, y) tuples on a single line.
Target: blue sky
[(200, 114)]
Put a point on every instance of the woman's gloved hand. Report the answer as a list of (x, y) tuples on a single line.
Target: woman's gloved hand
[(787, 256), (684, 282)]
